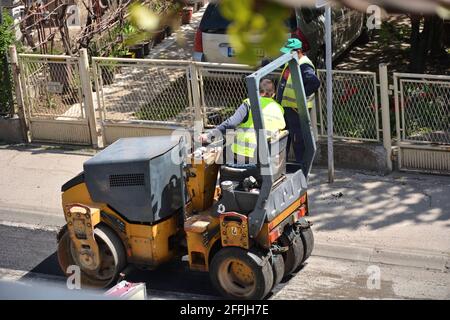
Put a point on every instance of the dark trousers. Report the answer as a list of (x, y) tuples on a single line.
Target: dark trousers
[(295, 134)]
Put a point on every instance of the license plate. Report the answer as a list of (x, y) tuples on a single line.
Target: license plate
[(230, 52), (258, 51)]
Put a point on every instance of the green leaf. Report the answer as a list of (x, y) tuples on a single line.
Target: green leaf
[(262, 20), (258, 22), (143, 18), (240, 11)]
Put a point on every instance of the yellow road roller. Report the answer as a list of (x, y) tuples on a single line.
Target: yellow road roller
[(147, 201)]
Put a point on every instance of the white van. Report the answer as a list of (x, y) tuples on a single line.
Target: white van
[(211, 41)]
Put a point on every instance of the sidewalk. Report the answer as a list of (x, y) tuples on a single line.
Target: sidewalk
[(31, 179), (401, 218), (180, 45)]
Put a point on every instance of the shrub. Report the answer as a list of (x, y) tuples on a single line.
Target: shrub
[(7, 38)]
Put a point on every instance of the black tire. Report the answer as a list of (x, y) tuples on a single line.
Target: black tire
[(61, 232), (109, 244), (308, 242), (319, 61), (366, 35), (277, 269), (225, 279), (294, 256)]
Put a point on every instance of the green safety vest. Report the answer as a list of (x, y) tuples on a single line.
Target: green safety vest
[(245, 140), (288, 99)]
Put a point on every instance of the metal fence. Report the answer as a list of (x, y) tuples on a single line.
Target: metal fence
[(54, 99), (132, 96), (53, 87), (425, 111), (138, 97), (222, 90), (135, 94), (355, 105), (154, 90), (422, 109)]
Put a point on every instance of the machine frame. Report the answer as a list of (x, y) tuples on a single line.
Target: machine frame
[(258, 216)]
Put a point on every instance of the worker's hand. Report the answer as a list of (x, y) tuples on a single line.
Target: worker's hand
[(203, 138)]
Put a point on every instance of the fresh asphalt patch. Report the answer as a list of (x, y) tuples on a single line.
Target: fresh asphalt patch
[(33, 253), (29, 254), (28, 250)]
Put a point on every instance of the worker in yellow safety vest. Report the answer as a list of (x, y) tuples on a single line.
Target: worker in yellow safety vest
[(245, 140), (286, 95)]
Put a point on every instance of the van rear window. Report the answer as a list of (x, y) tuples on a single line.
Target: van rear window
[(213, 21)]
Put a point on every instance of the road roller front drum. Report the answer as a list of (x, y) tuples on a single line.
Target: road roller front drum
[(112, 258)]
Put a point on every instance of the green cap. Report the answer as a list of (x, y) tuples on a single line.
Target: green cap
[(291, 44)]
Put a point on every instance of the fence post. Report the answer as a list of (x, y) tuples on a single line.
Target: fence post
[(386, 123), (314, 119), (19, 93), (196, 101), (87, 95)]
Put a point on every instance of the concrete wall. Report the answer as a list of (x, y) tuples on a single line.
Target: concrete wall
[(10, 131), (367, 156)]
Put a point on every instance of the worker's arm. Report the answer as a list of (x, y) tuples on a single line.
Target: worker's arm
[(311, 82), (232, 122), (281, 85)]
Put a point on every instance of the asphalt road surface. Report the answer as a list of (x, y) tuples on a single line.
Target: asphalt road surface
[(28, 255)]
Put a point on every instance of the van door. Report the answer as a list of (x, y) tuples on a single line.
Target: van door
[(356, 24), (311, 23), (339, 25)]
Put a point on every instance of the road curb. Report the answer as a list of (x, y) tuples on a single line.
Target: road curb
[(31, 218), (400, 257), (65, 149)]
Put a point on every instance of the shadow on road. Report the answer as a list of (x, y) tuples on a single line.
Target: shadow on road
[(358, 200), (172, 277), (48, 266)]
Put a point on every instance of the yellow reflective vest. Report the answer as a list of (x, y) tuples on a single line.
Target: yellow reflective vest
[(245, 140), (288, 99)]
